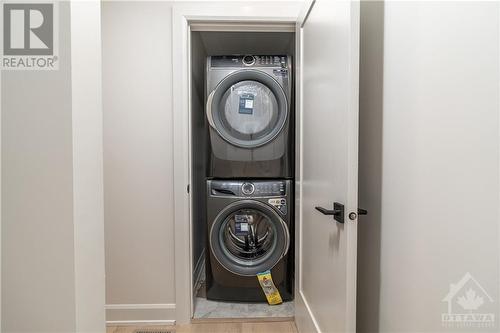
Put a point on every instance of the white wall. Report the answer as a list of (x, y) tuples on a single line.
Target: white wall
[(429, 160), (138, 175), (37, 229), (52, 231)]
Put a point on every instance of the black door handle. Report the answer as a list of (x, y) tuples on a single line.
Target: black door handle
[(337, 212), (325, 211)]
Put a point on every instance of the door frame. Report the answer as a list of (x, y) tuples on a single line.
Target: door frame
[(212, 17)]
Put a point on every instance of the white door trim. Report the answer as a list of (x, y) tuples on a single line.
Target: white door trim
[(308, 322), (182, 16), (87, 147), (353, 143), (242, 26), (0, 199)]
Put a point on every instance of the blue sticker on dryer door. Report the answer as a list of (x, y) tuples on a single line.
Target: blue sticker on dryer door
[(246, 104)]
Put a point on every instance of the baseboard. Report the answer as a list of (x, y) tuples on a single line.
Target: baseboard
[(140, 314), (140, 322), (139, 306)]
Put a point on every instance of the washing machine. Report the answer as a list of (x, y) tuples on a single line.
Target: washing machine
[(250, 230), (250, 116)]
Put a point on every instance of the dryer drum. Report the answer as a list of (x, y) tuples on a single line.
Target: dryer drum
[(248, 237), (248, 108)]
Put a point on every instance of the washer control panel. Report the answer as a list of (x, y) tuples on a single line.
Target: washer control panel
[(249, 60), (250, 188)]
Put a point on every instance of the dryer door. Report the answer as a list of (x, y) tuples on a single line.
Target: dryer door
[(249, 237), (248, 108)]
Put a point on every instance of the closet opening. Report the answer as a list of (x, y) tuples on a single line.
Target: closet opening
[(242, 142)]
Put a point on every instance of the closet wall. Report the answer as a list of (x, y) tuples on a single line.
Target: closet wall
[(138, 145), (199, 153)]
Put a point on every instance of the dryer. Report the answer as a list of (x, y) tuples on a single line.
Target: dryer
[(249, 109), (250, 230)]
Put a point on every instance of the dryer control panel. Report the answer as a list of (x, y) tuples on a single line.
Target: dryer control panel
[(250, 188), (250, 60)]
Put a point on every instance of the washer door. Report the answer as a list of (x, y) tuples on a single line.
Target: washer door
[(248, 108), (249, 237)]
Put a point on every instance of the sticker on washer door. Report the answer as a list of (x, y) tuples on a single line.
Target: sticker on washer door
[(246, 103), (266, 283), (241, 224)]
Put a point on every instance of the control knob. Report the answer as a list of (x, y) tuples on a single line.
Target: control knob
[(247, 188), (249, 60)]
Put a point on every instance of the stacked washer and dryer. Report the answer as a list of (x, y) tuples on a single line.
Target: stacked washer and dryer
[(249, 109)]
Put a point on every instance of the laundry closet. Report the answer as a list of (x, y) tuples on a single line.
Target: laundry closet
[(243, 168), (230, 161), (192, 166)]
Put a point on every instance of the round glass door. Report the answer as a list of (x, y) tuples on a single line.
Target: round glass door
[(248, 108), (248, 238)]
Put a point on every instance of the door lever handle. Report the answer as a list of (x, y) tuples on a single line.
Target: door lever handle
[(362, 211), (337, 212), (325, 211)]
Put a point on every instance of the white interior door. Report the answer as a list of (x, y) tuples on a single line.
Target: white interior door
[(328, 139)]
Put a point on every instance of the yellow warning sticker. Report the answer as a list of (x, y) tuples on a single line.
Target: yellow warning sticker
[(266, 282)]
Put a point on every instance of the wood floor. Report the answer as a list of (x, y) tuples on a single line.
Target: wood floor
[(214, 327)]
